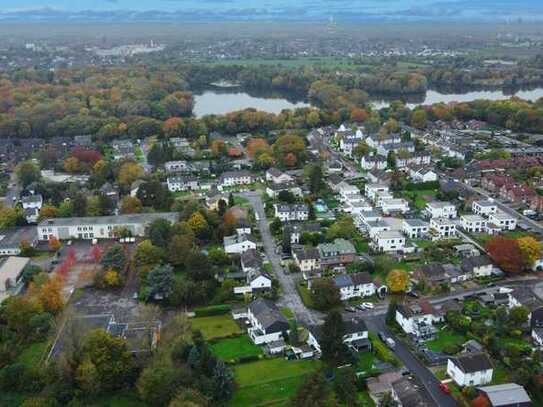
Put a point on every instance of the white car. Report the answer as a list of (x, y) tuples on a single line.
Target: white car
[(368, 305)]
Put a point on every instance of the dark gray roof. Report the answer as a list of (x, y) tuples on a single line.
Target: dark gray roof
[(307, 254), (11, 238), (472, 362), (267, 313), (412, 393), (251, 258), (139, 218), (470, 263), (355, 325), (361, 278)]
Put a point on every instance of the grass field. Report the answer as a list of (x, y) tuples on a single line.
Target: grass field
[(445, 338), (32, 355), (270, 382), (305, 295), (218, 326), (233, 348), (420, 198)]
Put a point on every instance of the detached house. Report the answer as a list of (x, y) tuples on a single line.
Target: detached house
[(422, 174), (267, 323), (484, 208), (273, 190), (470, 369), (355, 337), (503, 220), (418, 319), (292, 212), (477, 266), (308, 261), (371, 190), (183, 183), (435, 274), (238, 243), (442, 228), (409, 392), (277, 177), (441, 210), (250, 261), (473, 223), (415, 228), (339, 252), (357, 285), (388, 241)]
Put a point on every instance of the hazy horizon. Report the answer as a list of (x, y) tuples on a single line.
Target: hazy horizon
[(274, 10)]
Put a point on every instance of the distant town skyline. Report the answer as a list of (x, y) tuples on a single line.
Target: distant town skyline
[(156, 10)]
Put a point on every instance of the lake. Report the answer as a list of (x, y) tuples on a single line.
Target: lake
[(433, 96), (226, 101), (213, 102)]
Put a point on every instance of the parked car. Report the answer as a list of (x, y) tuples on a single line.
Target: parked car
[(360, 307), (444, 387), (350, 309), (382, 336), (368, 305), (412, 294), (391, 343)]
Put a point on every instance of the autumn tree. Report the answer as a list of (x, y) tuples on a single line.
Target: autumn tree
[(257, 147), (397, 281), (128, 173), (131, 204), (506, 253), (8, 216), (198, 224), (27, 172), (173, 127), (48, 212), (361, 149), (419, 119), (531, 250), (114, 258), (54, 244), (50, 295), (72, 165), (359, 115), (480, 401)]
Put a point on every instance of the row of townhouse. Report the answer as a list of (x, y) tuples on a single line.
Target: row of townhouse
[(291, 212), (180, 183), (487, 218), (506, 188), (435, 274), (334, 255), (408, 158), (235, 178)]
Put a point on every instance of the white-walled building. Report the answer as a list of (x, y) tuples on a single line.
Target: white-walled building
[(484, 208), (267, 322), (345, 190), (470, 369), (388, 241), (415, 228), (473, 223), (375, 162), (238, 243), (291, 212), (183, 183), (442, 228), (417, 318), (235, 178), (477, 266), (99, 227), (394, 205), (422, 174), (356, 285), (277, 176), (371, 190), (503, 220), (441, 210)]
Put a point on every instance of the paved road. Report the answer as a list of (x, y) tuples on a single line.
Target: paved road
[(13, 191), (507, 209), (290, 297), (425, 376)]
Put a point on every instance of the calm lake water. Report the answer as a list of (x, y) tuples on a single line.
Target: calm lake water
[(221, 102), (433, 96), (212, 102)]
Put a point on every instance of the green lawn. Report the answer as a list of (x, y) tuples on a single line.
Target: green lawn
[(119, 399), (218, 326), (33, 355), (445, 338), (305, 295), (287, 313), (420, 198), (233, 348), (270, 382), (361, 245)]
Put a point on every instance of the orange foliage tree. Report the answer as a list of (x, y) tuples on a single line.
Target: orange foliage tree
[(505, 253)]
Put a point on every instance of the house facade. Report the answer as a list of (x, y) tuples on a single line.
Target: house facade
[(470, 369)]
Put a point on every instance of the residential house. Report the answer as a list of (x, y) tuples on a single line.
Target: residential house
[(385, 149), (371, 190), (523, 295), (357, 285), (418, 319), (503, 220), (376, 227), (437, 273), (365, 217), (442, 228), (11, 239), (345, 189), (410, 392), (276, 176), (100, 227), (389, 241), (308, 261), (11, 271), (422, 174), (394, 205), (123, 149), (355, 337), (375, 162), (296, 230), (291, 212), (177, 166), (473, 223), (33, 201), (441, 210), (338, 253), (267, 324), (235, 178), (273, 190), (376, 140), (484, 208), (477, 266), (470, 369), (238, 243), (506, 395), (250, 261), (243, 227), (257, 280), (415, 228), (31, 215), (183, 183)]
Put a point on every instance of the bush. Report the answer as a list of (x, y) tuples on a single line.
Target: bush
[(248, 358), (212, 310), (422, 186), (381, 350), (451, 349)]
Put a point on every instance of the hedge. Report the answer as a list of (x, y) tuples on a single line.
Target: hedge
[(422, 186), (212, 310), (382, 351)]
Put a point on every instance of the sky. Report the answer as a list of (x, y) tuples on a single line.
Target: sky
[(269, 9)]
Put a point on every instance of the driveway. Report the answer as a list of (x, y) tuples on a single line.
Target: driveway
[(421, 372), (289, 297)]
